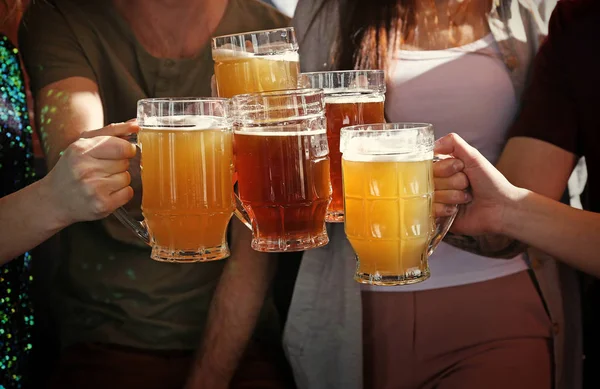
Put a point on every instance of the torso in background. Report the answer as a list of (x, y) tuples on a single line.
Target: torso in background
[(109, 291), (466, 90)]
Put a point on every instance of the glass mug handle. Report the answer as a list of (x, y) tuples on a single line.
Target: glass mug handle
[(138, 228), (442, 225), (240, 211)]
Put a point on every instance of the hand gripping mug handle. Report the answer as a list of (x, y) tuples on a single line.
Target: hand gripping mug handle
[(442, 225), (138, 228), (240, 211)]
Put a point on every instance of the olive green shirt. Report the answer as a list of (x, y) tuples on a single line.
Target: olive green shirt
[(108, 291)]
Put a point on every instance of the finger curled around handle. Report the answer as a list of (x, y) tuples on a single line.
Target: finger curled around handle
[(458, 181), (444, 210), (447, 167), (452, 197)]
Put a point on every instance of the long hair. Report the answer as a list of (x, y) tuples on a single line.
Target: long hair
[(370, 29)]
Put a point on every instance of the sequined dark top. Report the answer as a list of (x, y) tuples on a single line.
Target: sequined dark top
[(16, 171)]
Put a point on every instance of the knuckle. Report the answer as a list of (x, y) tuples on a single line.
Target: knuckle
[(90, 190), (79, 147), (453, 136), (81, 171), (100, 206)]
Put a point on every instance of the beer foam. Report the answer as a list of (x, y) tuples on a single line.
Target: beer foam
[(352, 97), (185, 123), (264, 131), (224, 55), (408, 157), (384, 150)]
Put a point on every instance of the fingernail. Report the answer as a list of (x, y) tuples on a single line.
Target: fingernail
[(468, 197), (450, 209)]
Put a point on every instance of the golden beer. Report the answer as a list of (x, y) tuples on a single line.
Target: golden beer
[(387, 172), (254, 62), (246, 73), (187, 171), (389, 214), (188, 195)]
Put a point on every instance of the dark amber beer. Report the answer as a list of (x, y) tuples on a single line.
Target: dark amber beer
[(351, 98), (282, 161)]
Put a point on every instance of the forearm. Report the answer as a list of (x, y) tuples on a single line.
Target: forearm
[(28, 217), (494, 246), (234, 311), (566, 233)]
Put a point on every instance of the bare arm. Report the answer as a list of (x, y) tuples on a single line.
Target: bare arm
[(65, 110), (33, 217), (71, 108), (566, 233), (498, 207), (234, 311), (89, 182), (527, 163)]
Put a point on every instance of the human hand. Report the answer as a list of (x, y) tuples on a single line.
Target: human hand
[(121, 130), (489, 192), (90, 179)]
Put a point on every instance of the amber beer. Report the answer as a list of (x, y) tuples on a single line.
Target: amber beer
[(187, 170), (342, 111), (282, 161), (254, 62), (388, 190), (351, 98), (187, 177)]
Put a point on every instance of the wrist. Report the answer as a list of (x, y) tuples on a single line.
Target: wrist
[(512, 215), (54, 209)]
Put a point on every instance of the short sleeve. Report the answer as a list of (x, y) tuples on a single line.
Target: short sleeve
[(50, 49), (548, 109)]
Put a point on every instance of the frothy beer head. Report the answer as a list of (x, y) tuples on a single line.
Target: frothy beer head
[(345, 81), (289, 130), (352, 97), (387, 142), (277, 44), (228, 54), (186, 123)]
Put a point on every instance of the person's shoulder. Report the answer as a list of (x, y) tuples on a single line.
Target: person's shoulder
[(574, 23), (569, 14), (260, 14)]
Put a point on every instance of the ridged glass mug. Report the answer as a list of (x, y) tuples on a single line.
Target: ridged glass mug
[(187, 178), (388, 198), (282, 164)]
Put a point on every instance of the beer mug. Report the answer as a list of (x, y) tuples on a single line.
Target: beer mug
[(388, 197), (257, 61), (187, 178), (351, 97), (282, 163)]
